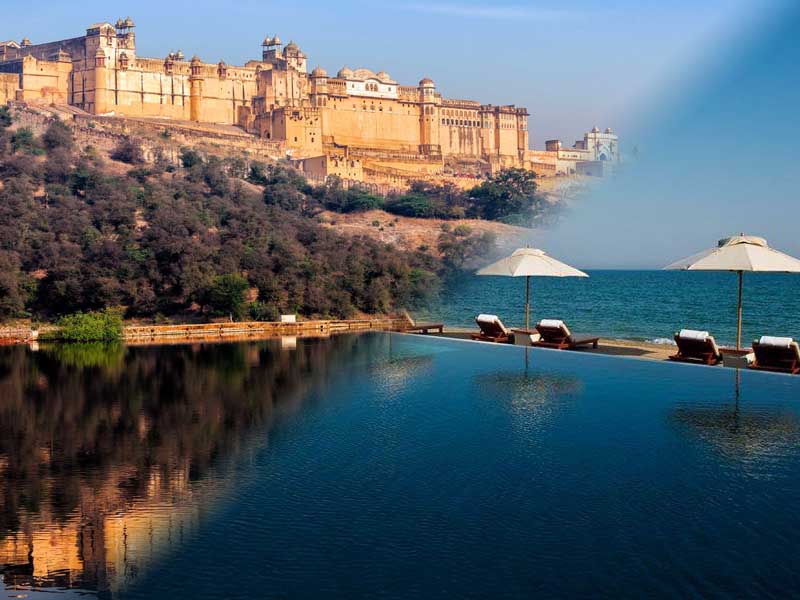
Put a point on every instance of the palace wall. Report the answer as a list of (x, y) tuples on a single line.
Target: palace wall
[(370, 123), (9, 84)]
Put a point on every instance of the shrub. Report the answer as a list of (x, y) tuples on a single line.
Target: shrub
[(412, 205), (189, 158), (5, 117), (257, 174), (128, 151), (57, 135), (23, 140), (105, 326), (215, 177), (462, 230), (261, 311)]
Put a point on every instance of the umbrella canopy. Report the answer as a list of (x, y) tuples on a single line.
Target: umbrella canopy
[(739, 254), (530, 262)]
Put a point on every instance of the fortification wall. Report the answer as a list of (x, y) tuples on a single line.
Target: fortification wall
[(45, 81), (9, 83), (380, 124)]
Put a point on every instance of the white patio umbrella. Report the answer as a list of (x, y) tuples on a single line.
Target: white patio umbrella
[(527, 263), (739, 254)]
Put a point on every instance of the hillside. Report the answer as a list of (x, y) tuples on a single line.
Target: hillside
[(80, 231), (183, 233), (410, 234)]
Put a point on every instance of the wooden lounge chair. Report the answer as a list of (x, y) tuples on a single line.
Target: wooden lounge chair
[(776, 354), (492, 330), (696, 347), (555, 334), (412, 326)]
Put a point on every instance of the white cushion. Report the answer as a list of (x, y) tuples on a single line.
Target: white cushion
[(776, 342), (693, 334), (487, 319), (551, 323)]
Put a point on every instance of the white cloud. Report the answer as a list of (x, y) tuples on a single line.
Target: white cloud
[(493, 11)]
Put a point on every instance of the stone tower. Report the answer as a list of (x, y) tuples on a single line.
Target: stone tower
[(100, 85), (195, 88), (428, 132)]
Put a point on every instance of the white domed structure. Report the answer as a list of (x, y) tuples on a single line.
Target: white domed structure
[(319, 72), (345, 73)]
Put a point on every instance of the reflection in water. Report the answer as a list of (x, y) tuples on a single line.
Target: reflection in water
[(106, 451), (532, 396), (741, 430)]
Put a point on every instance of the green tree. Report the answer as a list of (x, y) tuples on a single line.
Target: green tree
[(12, 293), (511, 192), (227, 295)]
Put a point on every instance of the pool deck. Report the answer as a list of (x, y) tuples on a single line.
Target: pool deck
[(612, 347)]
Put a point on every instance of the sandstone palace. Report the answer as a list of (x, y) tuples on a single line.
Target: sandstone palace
[(345, 124)]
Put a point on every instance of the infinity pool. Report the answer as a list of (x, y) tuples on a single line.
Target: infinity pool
[(393, 466)]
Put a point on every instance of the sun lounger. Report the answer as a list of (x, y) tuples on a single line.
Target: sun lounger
[(555, 334), (492, 330), (776, 354), (696, 347), (411, 326)]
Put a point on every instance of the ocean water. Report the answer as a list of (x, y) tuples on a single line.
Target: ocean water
[(392, 466), (636, 305)]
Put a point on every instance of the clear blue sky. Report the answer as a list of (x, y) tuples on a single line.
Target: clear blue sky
[(572, 64)]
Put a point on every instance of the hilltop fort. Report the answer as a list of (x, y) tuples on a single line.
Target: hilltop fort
[(357, 125)]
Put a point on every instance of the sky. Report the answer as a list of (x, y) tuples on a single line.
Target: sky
[(719, 157), (708, 91)]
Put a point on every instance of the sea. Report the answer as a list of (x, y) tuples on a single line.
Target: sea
[(633, 305)]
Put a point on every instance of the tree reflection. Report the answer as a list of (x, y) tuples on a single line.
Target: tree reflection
[(98, 441)]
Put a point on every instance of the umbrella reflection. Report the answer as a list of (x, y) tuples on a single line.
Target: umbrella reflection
[(742, 431), (531, 396)]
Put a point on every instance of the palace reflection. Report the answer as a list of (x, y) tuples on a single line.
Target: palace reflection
[(111, 455)]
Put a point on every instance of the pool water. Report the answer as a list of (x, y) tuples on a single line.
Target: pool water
[(395, 466)]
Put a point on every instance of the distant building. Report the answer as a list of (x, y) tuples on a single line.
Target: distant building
[(597, 154)]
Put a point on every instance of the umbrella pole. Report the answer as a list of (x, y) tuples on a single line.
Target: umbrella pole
[(527, 302), (739, 313)]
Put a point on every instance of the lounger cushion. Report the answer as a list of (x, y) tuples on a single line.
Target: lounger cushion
[(487, 318), (693, 334), (776, 342), (552, 323)]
